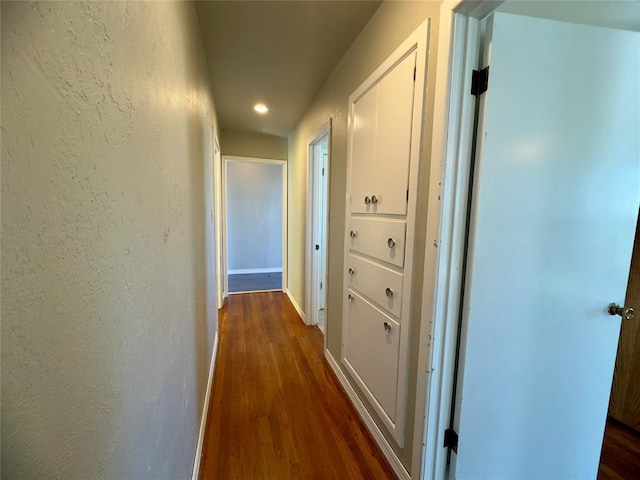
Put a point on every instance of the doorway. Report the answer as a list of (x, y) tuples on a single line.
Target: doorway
[(317, 226), (531, 409), (255, 224)]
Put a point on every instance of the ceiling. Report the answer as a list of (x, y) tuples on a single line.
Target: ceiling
[(275, 52)]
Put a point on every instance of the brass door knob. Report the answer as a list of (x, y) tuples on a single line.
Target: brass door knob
[(625, 313)]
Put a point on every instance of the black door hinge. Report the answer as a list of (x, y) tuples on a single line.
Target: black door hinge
[(414, 73), (317, 247), (451, 439), (479, 81), (323, 172)]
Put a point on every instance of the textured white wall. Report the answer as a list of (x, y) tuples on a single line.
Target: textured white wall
[(254, 215), (108, 313)]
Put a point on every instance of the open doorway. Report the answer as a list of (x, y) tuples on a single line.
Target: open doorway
[(255, 226), (317, 226)]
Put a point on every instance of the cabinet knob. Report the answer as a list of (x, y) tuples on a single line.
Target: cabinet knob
[(350, 297), (367, 200), (387, 326), (351, 271), (352, 234), (389, 292), (391, 243), (374, 199)]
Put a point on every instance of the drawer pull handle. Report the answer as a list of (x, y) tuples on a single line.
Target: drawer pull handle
[(350, 297), (389, 292), (367, 200), (352, 234), (387, 326), (374, 199), (391, 243), (351, 271)]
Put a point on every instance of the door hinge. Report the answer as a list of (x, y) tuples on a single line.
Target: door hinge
[(414, 73), (407, 196), (321, 285), (451, 439), (323, 172), (479, 81)]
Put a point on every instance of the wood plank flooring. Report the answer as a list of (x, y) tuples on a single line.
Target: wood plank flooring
[(277, 411), (620, 458)]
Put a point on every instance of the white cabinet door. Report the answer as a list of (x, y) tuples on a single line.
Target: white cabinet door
[(553, 218), (393, 139), (363, 154), (372, 348)]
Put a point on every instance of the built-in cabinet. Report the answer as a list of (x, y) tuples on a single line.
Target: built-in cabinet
[(385, 125)]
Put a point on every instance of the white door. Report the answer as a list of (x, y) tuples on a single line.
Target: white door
[(555, 202), (322, 238)]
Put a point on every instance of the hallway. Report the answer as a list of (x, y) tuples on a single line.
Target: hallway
[(277, 411)]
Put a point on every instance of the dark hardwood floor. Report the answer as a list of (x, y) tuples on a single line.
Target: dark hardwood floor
[(620, 458), (277, 411)]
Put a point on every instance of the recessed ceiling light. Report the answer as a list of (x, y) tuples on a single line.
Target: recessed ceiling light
[(261, 108)]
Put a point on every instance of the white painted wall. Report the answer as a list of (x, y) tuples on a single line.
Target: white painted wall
[(392, 23), (253, 144), (254, 215), (108, 306)]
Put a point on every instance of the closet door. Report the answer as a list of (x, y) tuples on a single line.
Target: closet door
[(393, 138)]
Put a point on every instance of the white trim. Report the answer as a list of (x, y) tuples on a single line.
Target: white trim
[(219, 217), (285, 209), (243, 271), (205, 410), (296, 306), (451, 149), (256, 291), (310, 270), (368, 420)]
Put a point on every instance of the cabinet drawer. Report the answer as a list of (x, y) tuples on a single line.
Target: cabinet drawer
[(373, 350), (373, 280), (378, 238)]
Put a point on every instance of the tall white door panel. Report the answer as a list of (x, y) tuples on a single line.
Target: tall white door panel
[(554, 210), (393, 140), (363, 150)]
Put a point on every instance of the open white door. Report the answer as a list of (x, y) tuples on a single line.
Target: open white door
[(555, 202)]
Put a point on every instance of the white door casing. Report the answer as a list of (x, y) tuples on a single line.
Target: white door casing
[(555, 202), (318, 166)]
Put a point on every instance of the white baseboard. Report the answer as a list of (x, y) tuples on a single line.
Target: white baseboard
[(296, 306), (368, 420), (205, 410), (254, 270)]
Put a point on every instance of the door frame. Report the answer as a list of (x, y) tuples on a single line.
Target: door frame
[(311, 317), (447, 217), (220, 237), (224, 223)]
